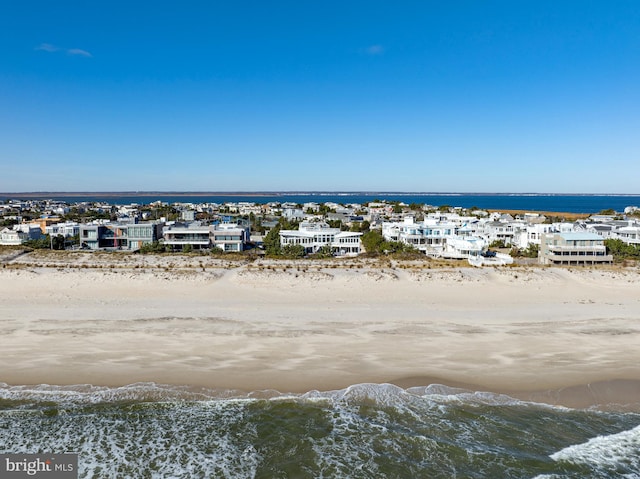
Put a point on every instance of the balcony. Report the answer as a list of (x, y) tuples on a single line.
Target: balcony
[(563, 248), (410, 236), (579, 256), (573, 252), (111, 236), (184, 241)]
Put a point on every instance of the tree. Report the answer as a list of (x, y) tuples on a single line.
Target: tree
[(394, 247), (375, 244), (150, 248), (324, 252), (57, 242), (621, 250), (8, 222), (293, 251), (272, 242), (258, 225), (361, 227), (608, 211), (372, 242), (531, 251), (285, 224), (158, 211), (324, 209), (74, 240), (550, 219)]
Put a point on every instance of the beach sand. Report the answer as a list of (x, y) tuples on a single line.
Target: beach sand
[(562, 336)]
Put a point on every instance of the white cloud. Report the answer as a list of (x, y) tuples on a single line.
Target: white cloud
[(47, 47), (374, 50), (78, 51)]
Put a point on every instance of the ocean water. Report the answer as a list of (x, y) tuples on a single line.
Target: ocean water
[(364, 431)]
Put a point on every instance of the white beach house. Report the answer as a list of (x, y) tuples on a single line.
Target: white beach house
[(315, 235), (226, 236), (67, 229), (437, 237), (629, 234), (18, 234), (230, 237), (194, 235)]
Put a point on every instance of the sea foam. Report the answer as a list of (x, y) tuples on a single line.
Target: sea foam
[(362, 431), (616, 452)]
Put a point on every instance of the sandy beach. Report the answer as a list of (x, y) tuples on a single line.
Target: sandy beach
[(566, 336)]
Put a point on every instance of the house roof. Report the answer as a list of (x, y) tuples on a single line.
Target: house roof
[(580, 236)]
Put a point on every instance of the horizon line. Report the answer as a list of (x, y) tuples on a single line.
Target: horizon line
[(298, 192)]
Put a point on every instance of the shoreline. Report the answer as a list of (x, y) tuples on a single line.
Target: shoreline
[(567, 335), (609, 395)]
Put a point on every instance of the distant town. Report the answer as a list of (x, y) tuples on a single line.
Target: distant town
[(324, 230)]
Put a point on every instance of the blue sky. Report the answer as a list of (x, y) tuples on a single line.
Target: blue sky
[(464, 96)]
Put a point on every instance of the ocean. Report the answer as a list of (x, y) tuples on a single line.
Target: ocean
[(516, 201), (364, 431)]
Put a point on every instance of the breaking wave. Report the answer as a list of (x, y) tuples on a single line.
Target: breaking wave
[(616, 453), (362, 431)]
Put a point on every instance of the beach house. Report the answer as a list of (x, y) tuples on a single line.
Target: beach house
[(574, 249), (313, 236), (119, 236), (18, 234), (439, 236), (180, 235), (531, 234), (501, 230), (630, 233), (428, 236), (66, 229), (195, 235), (230, 237)]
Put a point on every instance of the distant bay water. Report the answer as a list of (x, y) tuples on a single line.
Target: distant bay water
[(516, 201)]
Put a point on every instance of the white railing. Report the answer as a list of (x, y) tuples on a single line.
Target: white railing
[(576, 248), (185, 241)]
